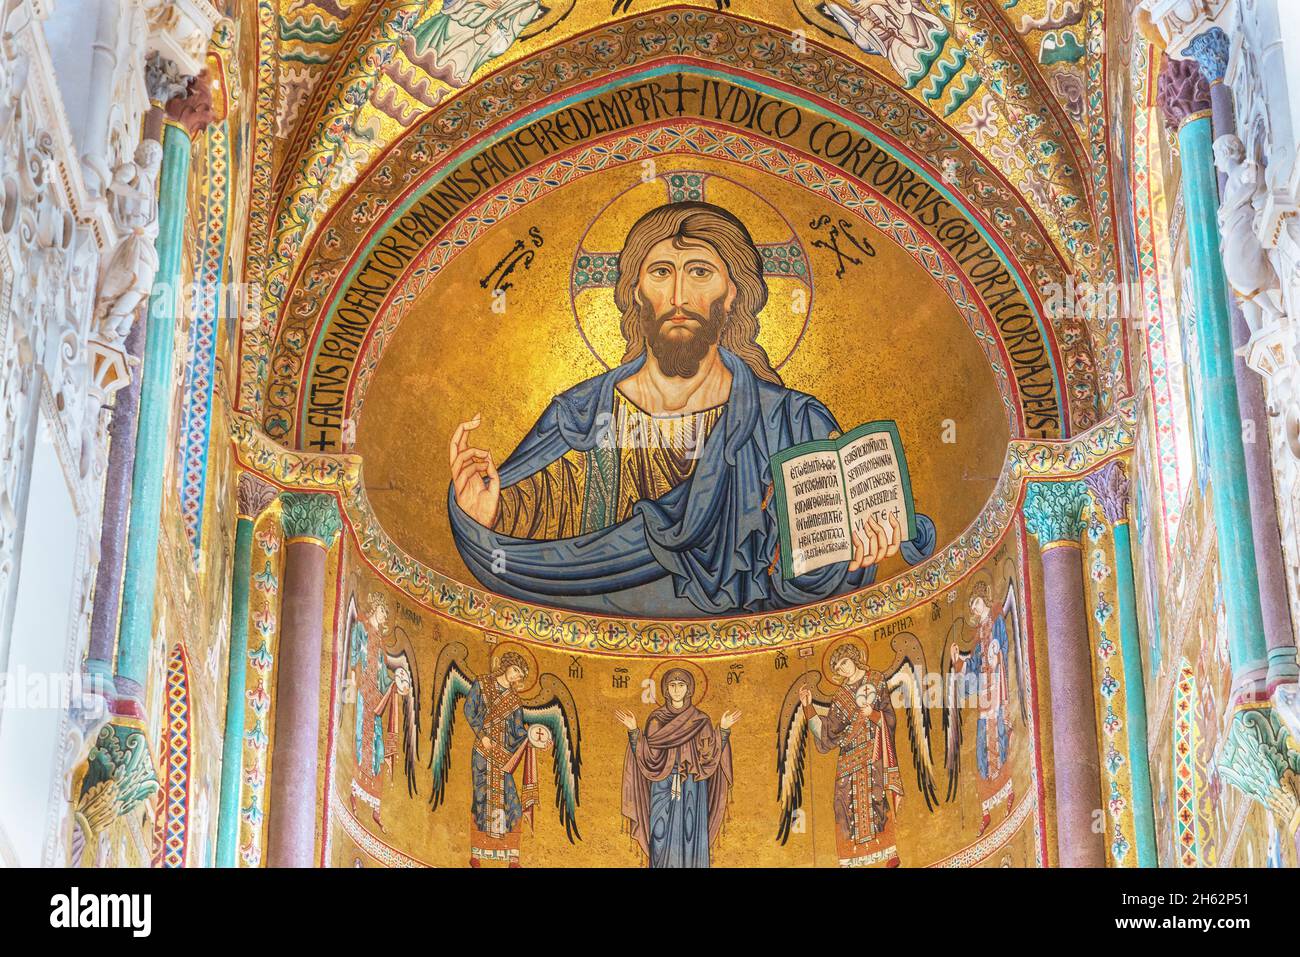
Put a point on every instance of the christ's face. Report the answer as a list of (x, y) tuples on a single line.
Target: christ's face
[(684, 295)]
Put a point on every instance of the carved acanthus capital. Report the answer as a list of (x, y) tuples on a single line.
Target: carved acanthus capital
[(163, 79), (254, 495), (1110, 487), (193, 110), (1260, 760), (310, 515), (1181, 92), (1210, 51), (118, 776), (1054, 511)]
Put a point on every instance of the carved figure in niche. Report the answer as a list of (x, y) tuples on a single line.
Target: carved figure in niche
[(1247, 265), (508, 730), (857, 721), (677, 775), (647, 490), (386, 688), (128, 276), (978, 671)]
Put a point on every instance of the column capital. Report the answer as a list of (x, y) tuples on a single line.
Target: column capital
[(1259, 759), (117, 776), (193, 108), (1109, 485), (1178, 21), (253, 496), (163, 79), (310, 515), (1210, 51), (1182, 92), (1054, 511)]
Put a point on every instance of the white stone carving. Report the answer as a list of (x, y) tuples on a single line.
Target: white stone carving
[(77, 223), (1180, 20), (1246, 263), (129, 273)]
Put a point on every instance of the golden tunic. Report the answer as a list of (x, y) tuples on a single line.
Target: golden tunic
[(640, 455)]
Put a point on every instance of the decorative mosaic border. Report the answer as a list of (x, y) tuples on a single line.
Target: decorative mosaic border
[(263, 642), (177, 763), (1185, 784), (1147, 204), (996, 839), (200, 363)]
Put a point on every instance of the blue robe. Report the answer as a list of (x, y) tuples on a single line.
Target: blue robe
[(679, 827), (982, 724), (703, 548)]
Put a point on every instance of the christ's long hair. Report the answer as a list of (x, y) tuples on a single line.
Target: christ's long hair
[(693, 222)]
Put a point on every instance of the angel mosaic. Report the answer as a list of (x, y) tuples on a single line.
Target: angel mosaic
[(509, 731), (384, 684), (858, 721), (979, 668)]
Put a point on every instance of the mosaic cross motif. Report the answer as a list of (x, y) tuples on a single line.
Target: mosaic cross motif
[(595, 269)]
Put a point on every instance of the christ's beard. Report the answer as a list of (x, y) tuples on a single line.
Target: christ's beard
[(680, 352)]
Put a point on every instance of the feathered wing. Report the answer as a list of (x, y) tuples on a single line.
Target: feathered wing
[(1018, 651), (403, 656), (553, 707), (905, 680), (452, 682), (791, 748), (349, 622)]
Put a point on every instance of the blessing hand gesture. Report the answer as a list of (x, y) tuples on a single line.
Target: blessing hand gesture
[(474, 476)]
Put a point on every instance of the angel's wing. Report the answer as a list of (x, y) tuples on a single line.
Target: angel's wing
[(553, 707), (403, 657), (452, 682), (905, 679), (1017, 650), (791, 747), (349, 620)]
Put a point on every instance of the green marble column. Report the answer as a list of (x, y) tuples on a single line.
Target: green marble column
[(1110, 486), (254, 496), (1184, 97), (188, 115)]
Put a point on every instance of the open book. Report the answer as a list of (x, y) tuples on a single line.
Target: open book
[(824, 487)]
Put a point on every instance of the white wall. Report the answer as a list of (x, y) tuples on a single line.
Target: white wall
[(29, 736)]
